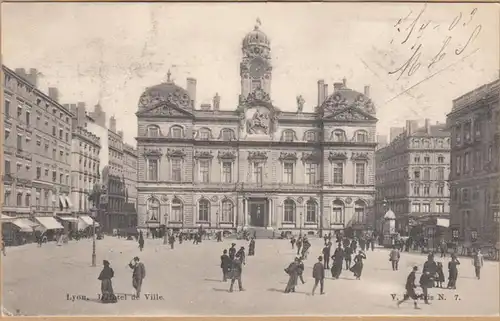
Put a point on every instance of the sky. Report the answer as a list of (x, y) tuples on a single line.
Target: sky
[(416, 58)]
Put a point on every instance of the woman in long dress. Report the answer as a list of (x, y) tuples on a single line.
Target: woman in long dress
[(293, 273), (357, 268), (453, 272), (251, 247), (107, 293)]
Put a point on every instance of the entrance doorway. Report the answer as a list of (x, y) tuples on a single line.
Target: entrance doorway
[(257, 209)]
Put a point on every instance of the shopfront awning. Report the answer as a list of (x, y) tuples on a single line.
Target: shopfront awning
[(68, 218), (86, 221), (68, 201), (49, 223), (24, 225), (444, 222)]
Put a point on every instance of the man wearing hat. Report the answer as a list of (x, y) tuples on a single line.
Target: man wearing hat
[(241, 254), (410, 288), (232, 251), (236, 271), (318, 275), (138, 275)]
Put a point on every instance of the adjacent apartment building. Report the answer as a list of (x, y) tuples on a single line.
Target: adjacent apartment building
[(411, 176), (254, 165), (474, 122), (36, 159)]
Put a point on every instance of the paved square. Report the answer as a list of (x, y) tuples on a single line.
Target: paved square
[(38, 281)]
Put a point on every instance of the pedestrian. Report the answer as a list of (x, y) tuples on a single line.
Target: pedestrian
[(241, 254), (326, 255), (292, 241), (372, 243), (2, 246), (477, 261), (338, 260), (171, 241), (181, 236), (410, 289), (236, 272), (251, 247), (299, 244), (232, 251), (141, 241), (394, 257), (225, 265), (305, 248), (430, 265), (426, 281), (138, 275), (354, 245), (293, 274), (107, 293), (453, 272), (319, 276), (440, 275), (301, 271), (357, 268), (348, 257), (443, 248)]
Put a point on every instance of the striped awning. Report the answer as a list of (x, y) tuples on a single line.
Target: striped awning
[(49, 223), (24, 225)]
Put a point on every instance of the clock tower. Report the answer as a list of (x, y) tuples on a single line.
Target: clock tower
[(255, 66)]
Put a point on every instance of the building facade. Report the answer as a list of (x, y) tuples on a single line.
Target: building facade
[(85, 149), (36, 161), (255, 165), (130, 175), (411, 176), (475, 193)]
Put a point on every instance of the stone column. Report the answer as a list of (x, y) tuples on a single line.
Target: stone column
[(247, 214)]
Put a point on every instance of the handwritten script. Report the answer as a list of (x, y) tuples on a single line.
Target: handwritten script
[(414, 28)]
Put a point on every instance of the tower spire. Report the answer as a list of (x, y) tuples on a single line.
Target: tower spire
[(168, 76), (258, 23)]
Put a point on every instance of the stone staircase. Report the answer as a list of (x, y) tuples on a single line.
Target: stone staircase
[(259, 232)]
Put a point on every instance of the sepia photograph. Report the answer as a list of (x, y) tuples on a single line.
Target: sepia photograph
[(250, 159)]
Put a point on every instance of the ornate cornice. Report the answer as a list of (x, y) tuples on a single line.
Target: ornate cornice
[(175, 153), (336, 156), (203, 155), (311, 157), (229, 155), (257, 156), (152, 152), (284, 156), (360, 156)]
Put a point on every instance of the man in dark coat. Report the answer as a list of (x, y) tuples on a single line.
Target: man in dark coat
[(410, 288), (430, 266), (299, 245), (426, 282), (236, 271), (232, 251), (171, 240), (338, 260), (138, 275), (348, 257), (293, 272), (225, 265), (326, 255), (318, 275)]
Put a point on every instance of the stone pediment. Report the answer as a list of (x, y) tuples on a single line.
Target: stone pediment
[(171, 152), (257, 155), (165, 109), (153, 152), (284, 156), (360, 156), (203, 155), (311, 157), (226, 155), (336, 156), (350, 114)]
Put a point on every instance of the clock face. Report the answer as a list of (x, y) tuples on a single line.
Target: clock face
[(257, 68)]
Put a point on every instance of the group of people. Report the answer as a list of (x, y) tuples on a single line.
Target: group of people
[(232, 261)]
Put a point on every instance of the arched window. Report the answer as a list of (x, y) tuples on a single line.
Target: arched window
[(154, 210), (204, 134), (153, 131), (337, 212), (361, 136), (227, 134), (203, 210), (177, 210), (227, 211), (339, 135), (312, 211), (310, 136), (359, 212), (288, 135), (289, 211), (176, 132)]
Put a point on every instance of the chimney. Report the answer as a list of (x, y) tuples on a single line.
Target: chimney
[(191, 89), (344, 82), (428, 126), (54, 93), (409, 129), (21, 72), (33, 77), (112, 124), (321, 92), (205, 107), (337, 86), (367, 91), (120, 133), (325, 92)]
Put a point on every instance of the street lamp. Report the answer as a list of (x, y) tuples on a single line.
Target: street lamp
[(165, 236), (217, 220), (95, 198), (300, 224)]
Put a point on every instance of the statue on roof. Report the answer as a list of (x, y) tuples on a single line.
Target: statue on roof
[(300, 103)]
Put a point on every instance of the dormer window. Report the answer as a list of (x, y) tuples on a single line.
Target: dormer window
[(339, 136), (361, 136), (288, 136), (204, 134), (176, 132), (227, 134), (310, 136)]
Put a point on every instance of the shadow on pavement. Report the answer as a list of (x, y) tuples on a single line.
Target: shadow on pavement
[(213, 280)]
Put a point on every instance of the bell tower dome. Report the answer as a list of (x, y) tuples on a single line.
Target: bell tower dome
[(255, 66)]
